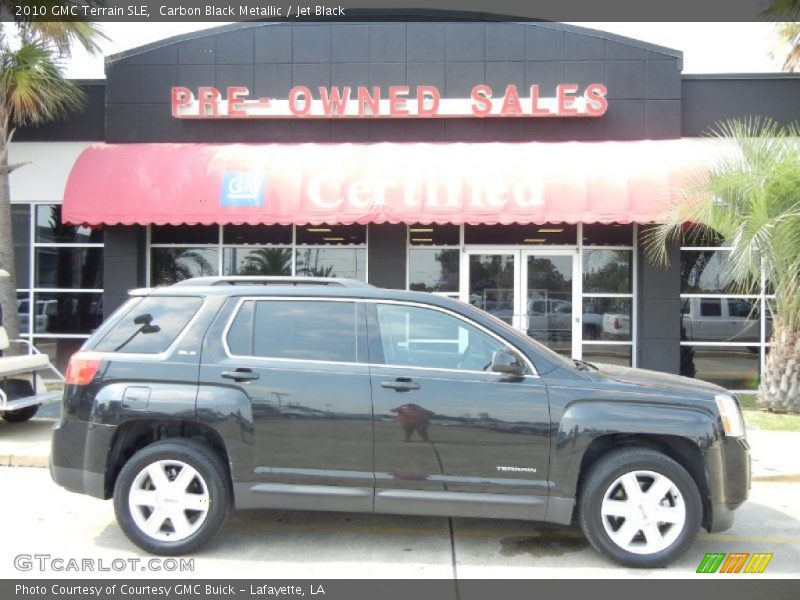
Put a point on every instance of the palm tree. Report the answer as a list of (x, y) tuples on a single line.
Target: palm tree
[(788, 44), (33, 90), (750, 198), (267, 261)]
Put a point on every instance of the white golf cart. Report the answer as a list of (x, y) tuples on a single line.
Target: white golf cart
[(22, 387)]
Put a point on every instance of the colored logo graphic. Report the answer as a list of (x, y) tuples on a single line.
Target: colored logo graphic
[(242, 188), (735, 562)]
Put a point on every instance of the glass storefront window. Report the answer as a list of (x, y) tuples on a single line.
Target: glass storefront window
[(706, 272), (607, 271), (327, 235), (278, 235), (332, 262), (491, 284), (257, 261), (49, 228), (615, 234), (184, 234), (170, 265), (63, 259), (612, 354), (434, 235), (69, 267), (732, 367), (607, 319), (722, 320), (723, 337), (61, 312), (697, 235), (525, 235), (433, 270)]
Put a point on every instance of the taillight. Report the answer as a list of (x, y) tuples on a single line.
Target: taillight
[(82, 368), (616, 323)]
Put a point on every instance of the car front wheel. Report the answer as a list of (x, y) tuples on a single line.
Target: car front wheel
[(640, 508), (172, 497)]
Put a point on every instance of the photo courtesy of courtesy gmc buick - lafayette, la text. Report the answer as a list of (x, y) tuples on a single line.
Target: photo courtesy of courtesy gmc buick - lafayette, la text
[(330, 394)]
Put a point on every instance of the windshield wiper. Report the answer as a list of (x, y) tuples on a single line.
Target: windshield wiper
[(582, 365)]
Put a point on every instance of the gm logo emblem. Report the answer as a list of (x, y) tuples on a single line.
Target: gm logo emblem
[(242, 188)]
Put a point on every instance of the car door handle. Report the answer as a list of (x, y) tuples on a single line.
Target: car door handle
[(240, 375), (401, 384)]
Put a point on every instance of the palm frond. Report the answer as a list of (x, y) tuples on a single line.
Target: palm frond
[(61, 34), (750, 198), (33, 88)]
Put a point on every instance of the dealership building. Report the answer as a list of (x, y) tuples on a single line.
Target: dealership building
[(515, 166)]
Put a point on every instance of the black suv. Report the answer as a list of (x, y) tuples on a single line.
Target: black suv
[(193, 399)]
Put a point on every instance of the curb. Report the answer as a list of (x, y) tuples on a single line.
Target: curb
[(24, 461), (779, 478)]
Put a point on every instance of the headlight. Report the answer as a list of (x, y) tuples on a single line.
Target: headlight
[(732, 420)]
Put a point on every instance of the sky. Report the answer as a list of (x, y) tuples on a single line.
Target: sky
[(707, 47)]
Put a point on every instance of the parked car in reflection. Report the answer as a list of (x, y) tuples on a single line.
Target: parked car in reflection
[(617, 326), (549, 318), (722, 320), (42, 313)]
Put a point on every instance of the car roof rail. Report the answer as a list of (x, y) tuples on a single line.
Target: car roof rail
[(271, 280)]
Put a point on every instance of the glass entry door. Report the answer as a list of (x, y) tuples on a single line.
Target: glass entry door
[(534, 290), (548, 311)]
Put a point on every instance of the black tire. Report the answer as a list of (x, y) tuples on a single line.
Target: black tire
[(601, 478), (210, 468), (18, 388)]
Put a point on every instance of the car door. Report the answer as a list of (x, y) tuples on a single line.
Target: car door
[(302, 365), (452, 437)]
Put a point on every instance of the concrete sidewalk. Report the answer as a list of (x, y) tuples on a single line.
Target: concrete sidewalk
[(775, 454), (25, 444)]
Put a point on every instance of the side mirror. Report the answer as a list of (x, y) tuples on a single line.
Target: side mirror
[(508, 362)]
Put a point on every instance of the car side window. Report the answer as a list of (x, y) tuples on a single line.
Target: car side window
[(740, 308), (423, 337), (240, 333), (711, 308), (295, 329)]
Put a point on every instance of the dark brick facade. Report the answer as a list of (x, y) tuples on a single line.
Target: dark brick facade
[(269, 58)]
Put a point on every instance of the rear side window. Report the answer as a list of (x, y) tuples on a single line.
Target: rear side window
[(303, 330), (150, 326)]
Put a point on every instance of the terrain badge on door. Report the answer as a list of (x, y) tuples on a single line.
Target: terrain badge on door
[(517, 469)]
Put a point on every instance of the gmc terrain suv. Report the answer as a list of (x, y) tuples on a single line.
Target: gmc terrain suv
[(196, 398)]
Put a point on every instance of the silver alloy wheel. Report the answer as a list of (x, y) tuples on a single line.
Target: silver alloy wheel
[(643, 512), (168, 500)]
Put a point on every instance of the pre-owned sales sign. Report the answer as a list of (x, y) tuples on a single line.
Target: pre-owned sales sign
[(400, 102)]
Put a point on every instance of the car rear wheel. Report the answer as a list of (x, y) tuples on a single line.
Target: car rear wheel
[(640, 508), (17, 388), (172, 497)]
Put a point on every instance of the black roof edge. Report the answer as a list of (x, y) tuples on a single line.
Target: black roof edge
[(775, 75), (417, 15)]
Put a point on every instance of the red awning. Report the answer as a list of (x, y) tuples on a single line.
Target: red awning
[(375, 183)]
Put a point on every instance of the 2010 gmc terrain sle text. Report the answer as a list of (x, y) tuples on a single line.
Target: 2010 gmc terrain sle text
[(318, 394)]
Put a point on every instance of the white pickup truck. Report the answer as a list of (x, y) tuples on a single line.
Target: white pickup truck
[(721, 320)]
